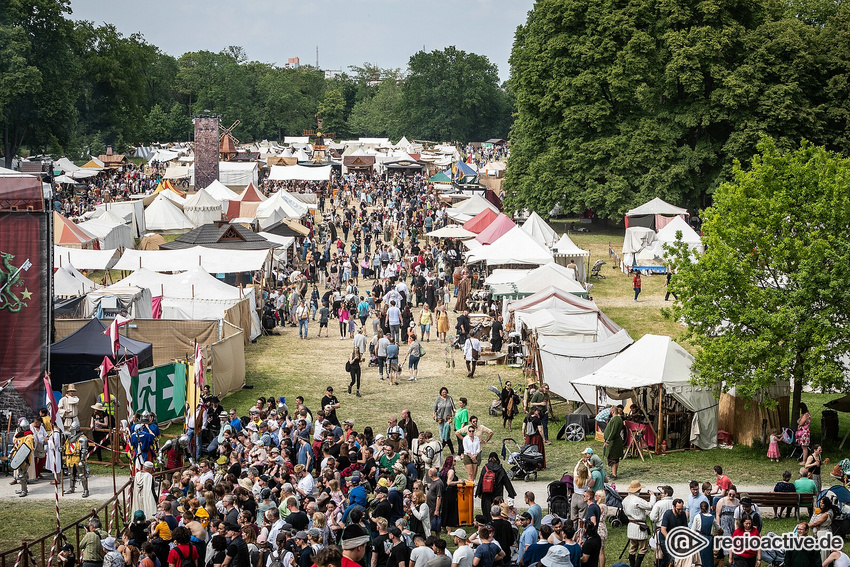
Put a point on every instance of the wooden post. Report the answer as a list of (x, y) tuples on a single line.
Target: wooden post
[(659, 438)]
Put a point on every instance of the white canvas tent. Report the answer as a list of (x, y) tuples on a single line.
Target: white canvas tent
[(658, 362), (550, 274), (565, 249), (68, 282), (219, 191), (202, 208), (540, 230), (213, 260), (193, 295), (563, 360), (135, 300), (132, 212), (280, 254), (637, 238), (451, 231), (502, 276), (655, 214), (163, 216), (667, 235), (84, 259), (469, 208), (300, 172), (586, 322), (514, 247), (281, 201), (110, 230)]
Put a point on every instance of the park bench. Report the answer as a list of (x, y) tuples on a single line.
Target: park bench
[(770, 500)]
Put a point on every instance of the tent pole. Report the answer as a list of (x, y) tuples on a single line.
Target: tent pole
[(588, 405), (659, 437)]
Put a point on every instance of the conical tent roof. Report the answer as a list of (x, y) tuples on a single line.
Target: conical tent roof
[(500, 226), (68, 234), (68, 282), (481, 221), (469, 208), (550, 274), (540, 230), (440, 177), (202, 208), (515, 247), (163, 216), (689, 235), (566, 247), (250, 195), (290, 206), (220, 191), (657, 206)]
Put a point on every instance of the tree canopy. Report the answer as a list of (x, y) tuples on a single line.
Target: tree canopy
[(619, 102), (73, 87), (769, 298)]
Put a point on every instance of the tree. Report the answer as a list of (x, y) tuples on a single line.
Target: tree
[(618, 103), (381, 114), (454, 95), (769, 298), (332, 110)]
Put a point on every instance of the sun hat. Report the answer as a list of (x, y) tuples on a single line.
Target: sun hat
[(557, 556), (635, 486)]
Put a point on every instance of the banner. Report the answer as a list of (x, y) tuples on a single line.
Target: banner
[(25, 273), (161, 390)]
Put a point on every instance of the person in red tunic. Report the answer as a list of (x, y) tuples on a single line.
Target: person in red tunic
[(636, 284)]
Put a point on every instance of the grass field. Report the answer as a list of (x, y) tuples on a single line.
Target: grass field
[(286, 366)]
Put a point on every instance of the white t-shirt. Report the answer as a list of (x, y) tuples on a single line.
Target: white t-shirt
[(306, 484), (471, 445), (463, 556), (421, 555)]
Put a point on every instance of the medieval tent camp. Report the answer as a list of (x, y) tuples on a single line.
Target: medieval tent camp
[(515, 247), (165, 217), (111, 231), (202, 208), (481, 221), (70, 235), (496, 229), (76, 357), (654, 214), (655, 372)]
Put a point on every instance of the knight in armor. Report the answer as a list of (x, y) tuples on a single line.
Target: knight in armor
[(76, 455), (174, 452), (25, 444), (143, 439)]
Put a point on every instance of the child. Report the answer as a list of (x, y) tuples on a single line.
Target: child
[(773, 448)]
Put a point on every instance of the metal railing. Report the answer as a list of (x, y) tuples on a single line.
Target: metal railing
[(115, 515)]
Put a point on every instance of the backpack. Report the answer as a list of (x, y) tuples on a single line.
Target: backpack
[(185, 561), (529, 428), (488, 481)]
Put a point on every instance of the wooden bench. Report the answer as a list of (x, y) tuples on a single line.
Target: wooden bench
[(769, 500)]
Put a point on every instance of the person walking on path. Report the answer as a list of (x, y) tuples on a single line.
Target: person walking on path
[(636, 509), (492, 483), (354, 370), (614, 441), (636, 284), (669, 292), (471, 353)]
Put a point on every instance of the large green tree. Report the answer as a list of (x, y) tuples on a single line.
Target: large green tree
[(454, 95), (769, 298), (621, 101)]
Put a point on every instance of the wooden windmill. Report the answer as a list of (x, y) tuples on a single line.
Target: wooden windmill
[(227, 142)]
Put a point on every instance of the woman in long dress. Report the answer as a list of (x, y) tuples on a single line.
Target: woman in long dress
[(442, 322), (726, 511), (510, 406), (707, 525), (448, 510)]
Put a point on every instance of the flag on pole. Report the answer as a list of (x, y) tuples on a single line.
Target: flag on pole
[(199, 365), (112, 331), (50, 399)]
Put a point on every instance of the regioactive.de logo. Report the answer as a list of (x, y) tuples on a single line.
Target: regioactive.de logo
[(683, 542)]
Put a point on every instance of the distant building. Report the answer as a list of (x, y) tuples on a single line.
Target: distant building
[(293, 63), (332, 73)]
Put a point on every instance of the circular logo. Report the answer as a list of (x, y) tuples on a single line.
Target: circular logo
[(683, 542)]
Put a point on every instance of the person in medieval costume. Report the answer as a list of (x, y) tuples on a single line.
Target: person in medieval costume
[(24, 467), (67, 406), (54, 452), (76, 454), (143, 440), (174, 451), (144, 498)]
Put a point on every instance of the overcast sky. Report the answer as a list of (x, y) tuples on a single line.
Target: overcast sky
[(347, 32)]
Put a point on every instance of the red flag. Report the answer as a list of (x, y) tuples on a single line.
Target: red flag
[(50, 399), (105, 367), (112, 332)]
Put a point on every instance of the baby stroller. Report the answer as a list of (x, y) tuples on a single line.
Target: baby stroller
[(615, 516), (524, 461), (495, 408), (559, 498), (596, 269), (840, 498)]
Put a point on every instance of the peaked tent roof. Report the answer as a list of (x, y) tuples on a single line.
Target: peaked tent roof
[(219, 235), (110, 230), (469, 208), (657, 206), (193, 283), (163, 216), (481, 221), (465, 169), (66, 233), (202, 208), (440, 177), (540, 230), (220, 191), (566, 247), (291, 207), (250, 195), (500, 225), (653, 360), (287, 227), (553, 298), (451, 231), (68, 282), (515, 247), (689, 235), (550, 274)]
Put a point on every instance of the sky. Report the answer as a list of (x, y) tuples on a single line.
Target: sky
[(347, 32)]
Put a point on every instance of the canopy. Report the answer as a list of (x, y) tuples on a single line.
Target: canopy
[(655, 214), (451, 231), (220, 192), (564, 360), (540, 230), (107, 301), (237, 173), (481, 221), (84, 259), (502, 276), (515, 247), (637, 238), (110, 230), (300, 173), (550, 274), (290, 206), (163, 156), (68, 282), (213, 260), (440, 177), (500, 226), (566, 247), (76, 357), (163, 216), (66, 233), (202, 208), (667, 235), (469, 208), (657, 360)]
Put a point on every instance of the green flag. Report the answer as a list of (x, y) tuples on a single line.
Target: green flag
[(161, 390)]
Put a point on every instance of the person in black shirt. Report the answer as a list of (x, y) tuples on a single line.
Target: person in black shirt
[(672, 518), (330, 400), (379, 552), (302, 550), (297, 518), (399, 555), (591, 547), (497, 334), (463, 327), (237, 551), (503, 533), (383, 508)]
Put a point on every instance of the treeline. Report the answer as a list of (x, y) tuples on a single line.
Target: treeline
[(73, 87), (621, 102)]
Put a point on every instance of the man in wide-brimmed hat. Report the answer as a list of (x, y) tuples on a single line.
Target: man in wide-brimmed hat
[(636, 509), (67, 406)]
